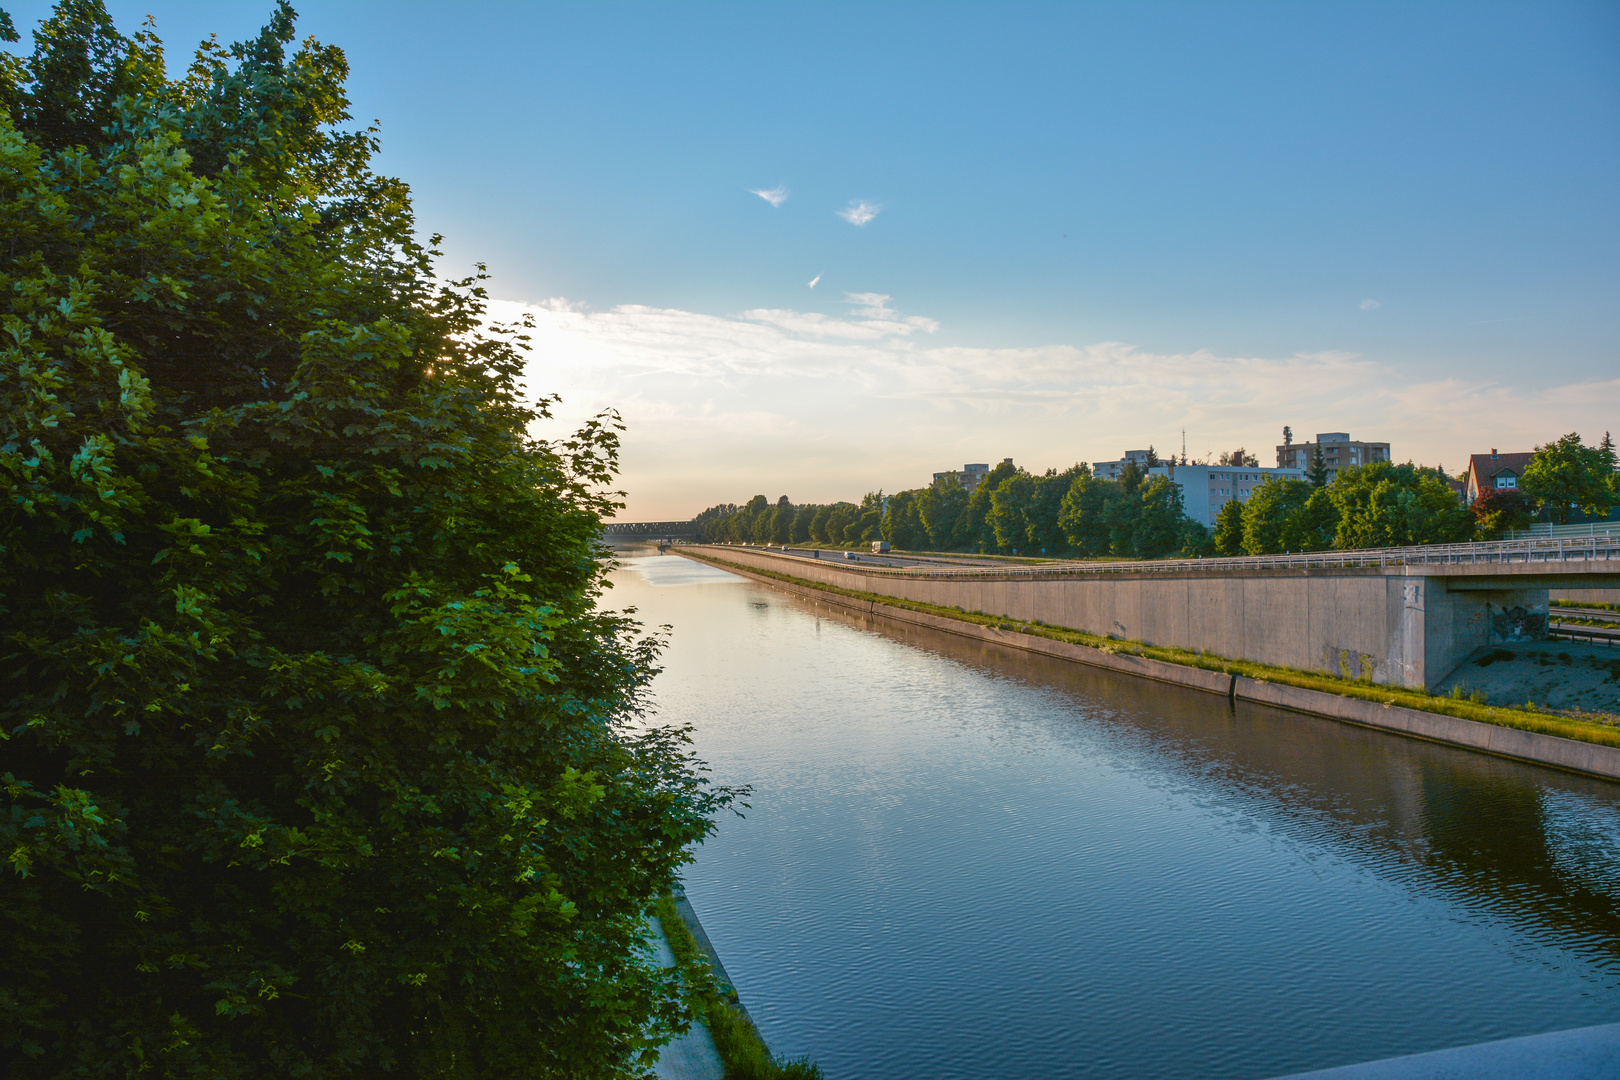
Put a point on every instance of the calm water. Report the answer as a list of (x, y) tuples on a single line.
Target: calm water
[(962, 862)]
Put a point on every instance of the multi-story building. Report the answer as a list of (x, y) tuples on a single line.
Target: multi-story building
[(1492, 470), (1339, 452), (970, 474), (1111, 470), (1205, 489)]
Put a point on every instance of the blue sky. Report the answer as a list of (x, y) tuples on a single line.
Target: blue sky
[(1096, 224)]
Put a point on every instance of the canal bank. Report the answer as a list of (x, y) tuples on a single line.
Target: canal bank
[(1589, 758)]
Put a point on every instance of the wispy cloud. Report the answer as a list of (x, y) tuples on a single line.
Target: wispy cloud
[(1371, 305), (723, 407), (814, 280), (871, 304), (776, 196), (859, 211)]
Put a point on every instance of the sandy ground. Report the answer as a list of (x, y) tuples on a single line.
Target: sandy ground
[(1572, 677)]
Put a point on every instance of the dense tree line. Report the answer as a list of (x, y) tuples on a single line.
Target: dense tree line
[(1009, 512), (319, 757), (1142, 516)]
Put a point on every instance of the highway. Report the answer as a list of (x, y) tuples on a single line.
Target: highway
[(1609, 634)]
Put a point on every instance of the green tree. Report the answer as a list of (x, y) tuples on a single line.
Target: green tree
[(1160, 526), (1043, 533), (1382, 504), (902, 526), (752, 521), (1228, 538), (1568, 475), (972, 530), (1009, 504), (319, 757), (1318, 475), (818, 524), (939, 506), (802, 517), (1284, 514), (1196, 540), (1083, 514), (838, 521), (782, 521)]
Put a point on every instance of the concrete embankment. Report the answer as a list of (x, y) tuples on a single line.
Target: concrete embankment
[(1392, 623), (1582, 757)]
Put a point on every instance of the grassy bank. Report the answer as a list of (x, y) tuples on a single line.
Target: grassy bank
[(744, 1053), (1460, 706)]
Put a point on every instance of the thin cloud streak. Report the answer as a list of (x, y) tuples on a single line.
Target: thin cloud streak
[(814, 280), (776, 196), (828, 406)]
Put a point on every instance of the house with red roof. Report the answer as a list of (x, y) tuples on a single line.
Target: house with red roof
[(1492, 470)]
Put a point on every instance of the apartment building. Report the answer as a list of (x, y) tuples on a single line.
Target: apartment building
[(1111, 470), (1205, 489), (1339, 451), (970, 475)]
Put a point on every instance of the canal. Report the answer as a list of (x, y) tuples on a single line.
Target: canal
[(968, 862)]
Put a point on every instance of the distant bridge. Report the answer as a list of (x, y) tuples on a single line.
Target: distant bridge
[(650, 530)]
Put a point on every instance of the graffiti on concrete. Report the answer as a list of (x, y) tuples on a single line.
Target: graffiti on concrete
[(1349, 664), (1517, 623)]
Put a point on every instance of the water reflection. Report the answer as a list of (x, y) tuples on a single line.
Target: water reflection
[(969, 862)]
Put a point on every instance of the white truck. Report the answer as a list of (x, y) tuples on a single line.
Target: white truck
[(880, 547)]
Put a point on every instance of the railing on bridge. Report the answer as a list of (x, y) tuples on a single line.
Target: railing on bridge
[(669, 529), (1601, 548)]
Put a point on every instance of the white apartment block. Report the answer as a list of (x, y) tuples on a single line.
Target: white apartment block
[(1205, 489)]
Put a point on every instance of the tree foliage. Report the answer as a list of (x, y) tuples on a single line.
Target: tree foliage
[(1228, 538), (1283, 515), (1567, 475), (1499, 510), (319, 756), (1381, 504)]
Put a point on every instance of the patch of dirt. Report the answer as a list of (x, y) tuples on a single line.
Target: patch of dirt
[(1575, 678)]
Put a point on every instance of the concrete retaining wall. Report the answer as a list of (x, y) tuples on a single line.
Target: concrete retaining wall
[(1397, 625), (1570, 754)]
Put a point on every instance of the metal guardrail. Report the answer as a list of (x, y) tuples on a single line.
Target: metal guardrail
[(1547, 531), (1575, 632), (1601, 548)]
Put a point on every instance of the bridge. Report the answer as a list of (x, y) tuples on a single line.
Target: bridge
[(1399, 616), (650, 530)]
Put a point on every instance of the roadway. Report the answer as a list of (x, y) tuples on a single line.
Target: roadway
[(1558, 622)]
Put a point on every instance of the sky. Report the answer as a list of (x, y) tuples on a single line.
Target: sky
[(824, 249)]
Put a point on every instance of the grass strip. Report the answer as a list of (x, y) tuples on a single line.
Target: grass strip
[(1586, 604), (1460, 707), (742, 1051)]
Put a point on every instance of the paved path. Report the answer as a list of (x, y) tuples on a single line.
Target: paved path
[(691, 1056)]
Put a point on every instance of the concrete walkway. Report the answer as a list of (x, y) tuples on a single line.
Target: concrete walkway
[(691, 1056), (1589, 1053)]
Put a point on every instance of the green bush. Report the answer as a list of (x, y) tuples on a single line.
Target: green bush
[(317, 751)]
